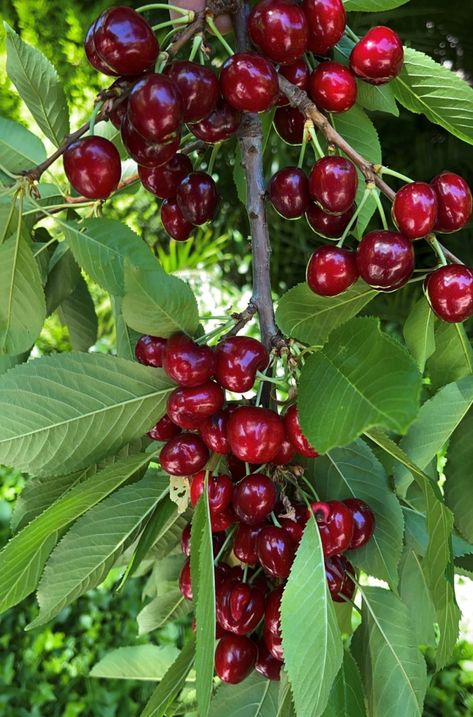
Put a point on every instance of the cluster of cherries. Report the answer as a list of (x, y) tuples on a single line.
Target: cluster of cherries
[(254, 523)]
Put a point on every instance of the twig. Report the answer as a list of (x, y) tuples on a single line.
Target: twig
[(242, 319)]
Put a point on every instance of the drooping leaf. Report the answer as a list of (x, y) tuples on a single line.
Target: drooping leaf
[(165, 608), (77, 311), (140, 662), (172, 682), (414, 591), (346, 698), (373, 5), (453, 357), (20, 149), (459, 485), (254, 697), (419, 332)]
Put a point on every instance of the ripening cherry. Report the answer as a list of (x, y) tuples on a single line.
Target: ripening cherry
[(255, 434), (164, 180), (285, 454), (298, 74), (276, 551), (337, 573), (266, 664), (295, 528), (163, 430), (455, 202), (188, 406), (289, 123), (93, 167), (155, 108), (238, 358), (213, 431), (249, 82), (235, 658), (278, 28), (184, 455), (326, 20), (331, 270), (294, 433), (385, 260), (198, 87), (332, 87), (219, 125), (335, 522), (245, 543), (333, 183), (149, 350), (288, 191), (330, 226), (186, 362), (197, 197), (254, 498), (414, 210), (220, 489), (363, 522), (378, 57), (147, 154), (222, 520), (272, 623), (185, 585), (450, 292), (239, 606), (91, 52), (174, 222)]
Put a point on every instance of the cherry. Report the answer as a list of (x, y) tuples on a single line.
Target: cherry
[(295, 528), (220, 491), (237, 467), (155, 108), (450, 292), (279, 30), (197, 197), (186, 362), (385, 260), (254, 498), (118, 111), (198, 87), (285, 453), (363, 522), (147, 153), (91, 52), (235, 658), (184, 455), (266, 664), (333, 182), (276, 551), (213, 431), (163, 181), (174, 222), (239, 606), (298, 74), (331, 270), (327, 20), (415, 210), (335, 523), (219, 125), (255, 434), (93, 167), (455, 202), (185, 585), (378, 57), (289, 192), (289, 123), (330, 226), (237, 360), (245, 541), (333, 88), (295, 435), (339, 582), (218, 540), (249, 82), (223, 519), (164, 430), (272, 624), (149, 350), (187, 406)]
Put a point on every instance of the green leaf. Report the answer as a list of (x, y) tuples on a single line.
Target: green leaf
[(458, 486), (77, 311), (254, 697), (126, 337), (346, 698), (172, 683), (373, 5), (303, 315), (140, 662), (20, 149), (425, 87), (417, 537), (392, 667), (307, 620), (419, 332), (453, 357), (165, 608), (362, 378), (414, 591), (64, 412), (63, 277), (285, 701), (39, 494), (8, 362), (38, 85)]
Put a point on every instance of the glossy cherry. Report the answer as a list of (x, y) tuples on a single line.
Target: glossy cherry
[(93, 167), (186, 362), (245, 541), (255, 434), (164, 180), (289, 123), (285, 454), (327, 20), (198, 87), (279, 30), (333, 88), (333, 183), (92, 54), (118, 111), (174, 221), (298, 74), (335, 523), (294, 433), (327, 225), (378, 57), (295, 528), (235, 658), (288, 191), (450, 292), (148, 154), (197, 197), (185, 585), (276, 551), (219, 125), (237, 467), (337, 573), (239, 606), (272, 623), (249, 82), (223, 519), (237, 360), (164, 430), (188, 406), (385, 260), (363, 522), (214, 432), (149, 350), (155, 108), (184, 455), (331, 270), (455, 202), (266, 664), (254, 498), (220, 491), (415, 210)]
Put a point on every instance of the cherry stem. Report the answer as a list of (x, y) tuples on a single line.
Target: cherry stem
[(305, 137), (436, 246), (394, 173), (45, 246), (213, 157), (270, 379), (275, 520), (309, 486), (255, 574), (7, 172), (381, 211), (352, 221), (352, 35), (225, 545), (245, 573), (196, 45), (247, 468), (348, 601), (212, 334), (93, 117), (162, 6), (315, 140), (218, 34), (189, 17)]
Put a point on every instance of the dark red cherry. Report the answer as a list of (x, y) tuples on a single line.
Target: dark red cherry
[(326, 20), (289, 124), (198, 87), (219, 125), (186, 362), (332, 86), (174, 221), (240, 606), (238, 358), (164, 430), (333, 183), (118, 111), (385, 260), (450, 292), (276, 551), (331, 270), (146, 153), (330, 226), (155, 108), (415, 210), (249, 82), (188, 406), (237, 467), (235, 658), (220, 491), (363, 522), (149, 350), (279, 30), (295, 528), (185, 585), (223, 572), (184, 455), (214, 432), (91, 52), (295, 435), (254, 498), (272, 624), (455, 202), (197, 197), (337, 573), (163, 181), (93, 167), (255, 434), (378, 57), (223, 519), (186, 540), (289, 192), (298, 74), (335, 523), (285, 454), (244, 543), (266, 664)]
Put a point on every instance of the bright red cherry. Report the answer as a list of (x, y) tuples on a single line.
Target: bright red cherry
[(235, 658), (164, 430), (450, 292), (164, 180), (272, 623), (335, 523), (254, 498), (186, 362), (240, 606), (198, 87), (149, 350), (223, 519), (337, 573), (330, 226), (266, 664), (331, 270), (289, 192), (219, 125), (185, 585), (220, 491), (91, 52), (385, 260), (197, 197), (295, 435), (363, 522), (279, 30), (238, 358), (333, 183), (245, 541), (249, 82), (188, 406), (276, 551), (93, 167), (327, 20), (214, 432), (295, 528), (378, 57), (298, 74), (333, 88), (155, 108), (289, 123), (285, 454), (455, 202), (255, 434), (146, 153), (415, 210), (184, 455), (174, 221)]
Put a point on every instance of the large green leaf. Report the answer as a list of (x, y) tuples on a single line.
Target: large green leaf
[(62, 278), (419, 332), (77, 311), (140, 662), (38, 85), (459, 485), (307, 620), (453, 357), (168, 607), (373, 5), (346, 698), (20, 149), (360, 379), (414, 591), (171, 684), (254, 697), (126, 337), (64, 412)]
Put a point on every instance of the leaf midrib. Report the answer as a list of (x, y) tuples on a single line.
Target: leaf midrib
[(333, 308)]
